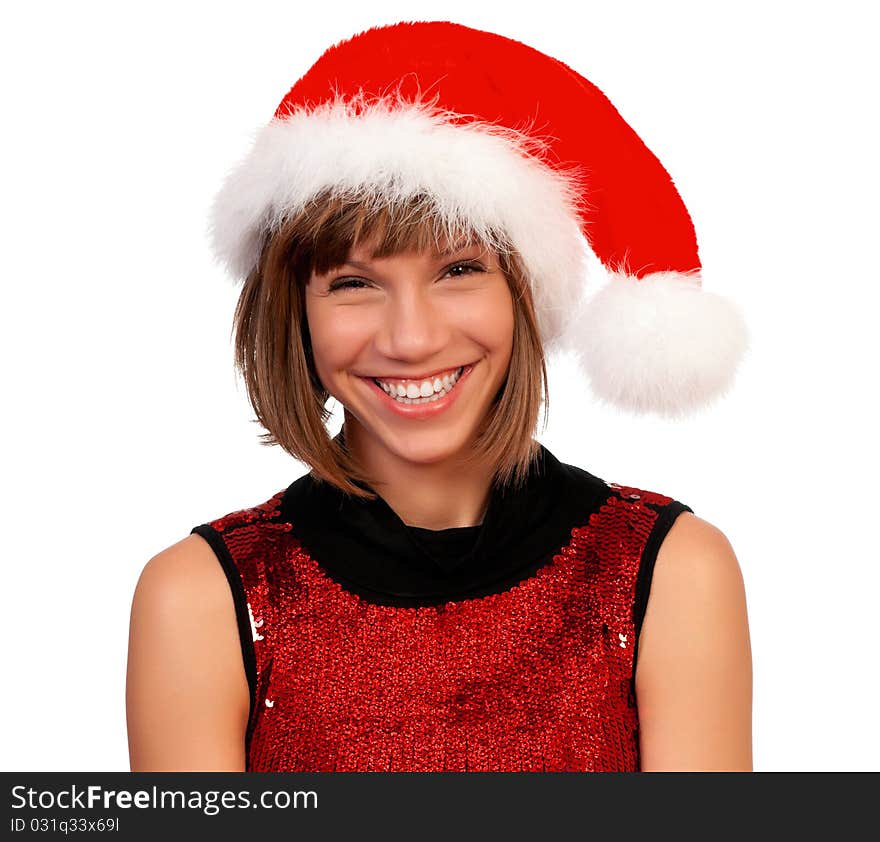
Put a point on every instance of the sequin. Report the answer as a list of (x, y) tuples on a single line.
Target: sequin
[(255, 624), (538, 677)]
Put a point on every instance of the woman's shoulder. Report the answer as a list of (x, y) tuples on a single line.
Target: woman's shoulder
[(184, 660), (696, 562), (694, 672), (691, 537), (697, 594), (182, 593), (183, 601)]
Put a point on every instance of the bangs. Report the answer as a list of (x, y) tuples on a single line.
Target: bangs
[(322, 236)]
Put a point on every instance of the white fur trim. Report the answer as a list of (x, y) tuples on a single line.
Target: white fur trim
[(481, 176), (659, 344)]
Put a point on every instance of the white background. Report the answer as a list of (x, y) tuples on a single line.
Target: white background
[(124, 425)]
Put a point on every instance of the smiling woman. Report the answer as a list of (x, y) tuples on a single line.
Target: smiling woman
[(426, 298), (439, 591)]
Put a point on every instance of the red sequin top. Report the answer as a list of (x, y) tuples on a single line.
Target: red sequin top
[(366, 652)]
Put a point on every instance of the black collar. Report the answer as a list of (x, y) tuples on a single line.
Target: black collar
[(369, 550)]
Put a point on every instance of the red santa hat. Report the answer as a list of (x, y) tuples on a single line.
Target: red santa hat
[(504, 140)]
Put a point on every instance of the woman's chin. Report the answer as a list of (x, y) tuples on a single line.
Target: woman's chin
[(426, 447), (418, 446)]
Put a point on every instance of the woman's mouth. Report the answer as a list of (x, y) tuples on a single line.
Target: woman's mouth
[(421, 399), (428, 392)]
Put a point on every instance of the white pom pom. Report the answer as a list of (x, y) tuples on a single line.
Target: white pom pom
[(660, 344)]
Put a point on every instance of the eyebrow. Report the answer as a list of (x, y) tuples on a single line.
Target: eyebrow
[(437, 254)]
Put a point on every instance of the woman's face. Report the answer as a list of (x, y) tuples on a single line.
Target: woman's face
[(411, 321)]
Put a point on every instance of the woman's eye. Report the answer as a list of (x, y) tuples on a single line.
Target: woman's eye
[(468, 269), (346, 283)]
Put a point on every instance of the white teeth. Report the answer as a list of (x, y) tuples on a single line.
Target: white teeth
[(424, 392)]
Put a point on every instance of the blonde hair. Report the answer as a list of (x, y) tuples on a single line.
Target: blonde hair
[(273, 350)]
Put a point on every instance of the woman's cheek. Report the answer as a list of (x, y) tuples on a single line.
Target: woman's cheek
[(337, 328), (494, 318)]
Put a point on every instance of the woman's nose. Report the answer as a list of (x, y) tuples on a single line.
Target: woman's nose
[(412, 326)]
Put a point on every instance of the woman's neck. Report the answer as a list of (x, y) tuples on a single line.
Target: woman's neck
[(436, 495)]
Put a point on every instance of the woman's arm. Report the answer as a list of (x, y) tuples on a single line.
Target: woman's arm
[(187, 695), (694, 667)]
